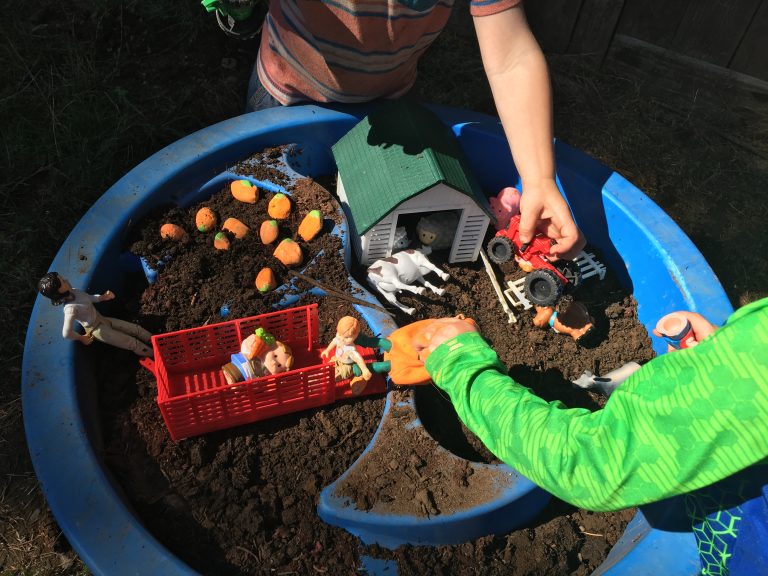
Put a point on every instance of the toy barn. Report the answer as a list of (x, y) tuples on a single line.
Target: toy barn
[(399, 166)]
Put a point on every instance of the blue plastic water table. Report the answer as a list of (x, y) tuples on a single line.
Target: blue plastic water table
[(651, 255)]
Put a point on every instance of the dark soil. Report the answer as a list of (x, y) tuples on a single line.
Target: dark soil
[(242, 501)]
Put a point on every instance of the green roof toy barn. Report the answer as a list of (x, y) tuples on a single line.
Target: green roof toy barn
[(400, 162)]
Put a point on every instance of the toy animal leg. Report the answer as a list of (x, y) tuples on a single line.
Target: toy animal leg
[(432, 268), (435, 289), (391, 298), (403, 286)]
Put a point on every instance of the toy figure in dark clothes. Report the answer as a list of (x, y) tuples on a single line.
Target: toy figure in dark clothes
[(79, 308), (568, 317), (260, 355)]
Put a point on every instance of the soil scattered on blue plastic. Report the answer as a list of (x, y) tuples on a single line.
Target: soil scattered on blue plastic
[(243, 501)]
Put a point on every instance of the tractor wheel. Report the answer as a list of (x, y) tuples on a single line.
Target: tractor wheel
[(570, 270), (543, 287), (500, 249)]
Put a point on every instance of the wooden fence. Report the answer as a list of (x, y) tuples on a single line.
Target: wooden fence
[(730, 34)]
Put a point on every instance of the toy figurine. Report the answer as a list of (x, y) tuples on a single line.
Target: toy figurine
[(400, 240), (676, 331), (437, 229), (78, 307), (260, 355), (347, 355), (400, 352), (397, 272), (505, 205), (572, 319)]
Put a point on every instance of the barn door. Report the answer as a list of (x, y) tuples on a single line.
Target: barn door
[(378, 240), (472, 226)]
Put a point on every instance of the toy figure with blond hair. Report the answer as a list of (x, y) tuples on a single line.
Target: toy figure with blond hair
[(347, 355), (260, 355)]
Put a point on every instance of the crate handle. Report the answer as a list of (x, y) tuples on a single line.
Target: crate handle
[(149, 364)]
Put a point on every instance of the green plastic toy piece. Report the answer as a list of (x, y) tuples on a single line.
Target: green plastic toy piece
[(265, 336), (238, 13)]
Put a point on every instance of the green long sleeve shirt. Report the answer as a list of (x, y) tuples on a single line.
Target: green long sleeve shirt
[(683, 421)]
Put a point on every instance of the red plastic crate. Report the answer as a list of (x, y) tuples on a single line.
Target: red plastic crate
[(194, 398)]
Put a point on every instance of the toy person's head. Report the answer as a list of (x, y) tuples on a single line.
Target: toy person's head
[(347, 329), (54, 287), (279, 358), (427, 234)]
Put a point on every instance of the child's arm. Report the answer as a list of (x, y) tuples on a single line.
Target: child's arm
[(683, 421), (517, 73)]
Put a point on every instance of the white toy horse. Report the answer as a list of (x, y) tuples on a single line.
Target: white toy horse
[(400, 271)]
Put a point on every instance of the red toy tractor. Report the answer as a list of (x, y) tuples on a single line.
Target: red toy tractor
[(546, 280)]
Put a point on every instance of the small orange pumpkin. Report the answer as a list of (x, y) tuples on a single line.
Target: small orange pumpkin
[(289, 253), (269, 231), (205, 219), (175, 232), (265, 280), (221, 241), (244, 191), (279, 207), (311, 225), (237, 228)]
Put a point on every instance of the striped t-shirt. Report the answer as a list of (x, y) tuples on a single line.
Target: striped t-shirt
[(351, 50)]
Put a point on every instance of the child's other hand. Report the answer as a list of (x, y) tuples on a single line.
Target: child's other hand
[(543, 208), (426, 340), (701, 327), (108, 295)]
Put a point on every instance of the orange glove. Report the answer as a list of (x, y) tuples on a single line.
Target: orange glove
[(411, 345)]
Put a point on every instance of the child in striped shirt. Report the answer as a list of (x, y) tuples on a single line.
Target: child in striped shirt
[(350, 51)]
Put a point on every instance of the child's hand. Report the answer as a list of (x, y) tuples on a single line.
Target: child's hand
[(426, 340), (701, 327), (543, 208)]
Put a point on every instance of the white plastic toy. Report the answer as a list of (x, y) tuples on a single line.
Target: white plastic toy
[(608, 383), (401, 240), (438, 229), (399, 271)]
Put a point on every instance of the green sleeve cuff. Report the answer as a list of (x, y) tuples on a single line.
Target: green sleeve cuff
[(469, 345)]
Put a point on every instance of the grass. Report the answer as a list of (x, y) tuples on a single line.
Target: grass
[(91, 88)]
